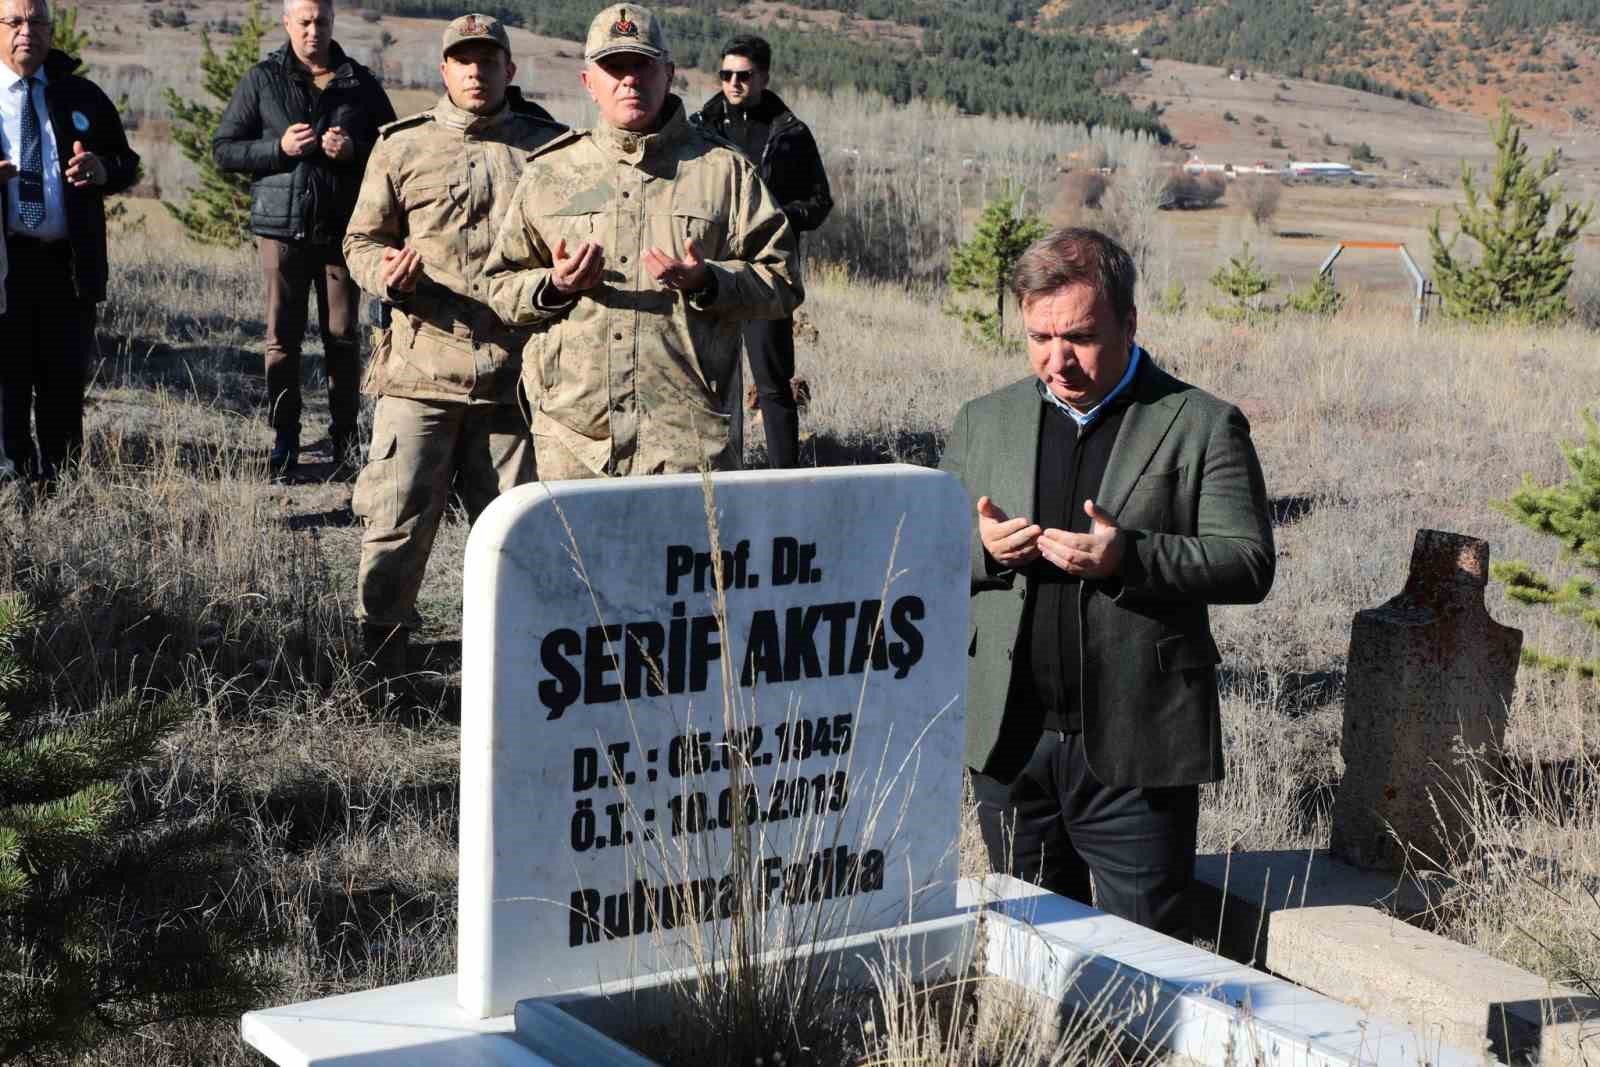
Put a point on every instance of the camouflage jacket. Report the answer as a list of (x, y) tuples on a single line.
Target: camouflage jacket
[(632, 377), (441, 181)]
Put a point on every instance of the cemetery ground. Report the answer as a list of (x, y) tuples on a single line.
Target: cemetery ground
[(171, 566)]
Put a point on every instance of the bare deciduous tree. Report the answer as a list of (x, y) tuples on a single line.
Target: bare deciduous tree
[(1260, 196)]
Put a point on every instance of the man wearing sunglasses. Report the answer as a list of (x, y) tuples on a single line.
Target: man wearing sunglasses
[(751, 115), (636, 249)]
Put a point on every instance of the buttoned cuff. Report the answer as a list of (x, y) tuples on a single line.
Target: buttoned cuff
[(705, 298), (543, 295)]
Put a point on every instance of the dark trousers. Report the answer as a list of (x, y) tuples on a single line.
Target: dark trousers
[(770, 345), (46, 337), (292, 270), (1055, 824)]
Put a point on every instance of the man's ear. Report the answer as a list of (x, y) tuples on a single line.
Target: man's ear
[(511, 71)]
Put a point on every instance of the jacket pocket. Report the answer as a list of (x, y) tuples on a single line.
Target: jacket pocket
[(1182, 652), (375, 497), (703, 228)]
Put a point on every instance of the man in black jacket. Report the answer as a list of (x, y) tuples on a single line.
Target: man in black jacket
[(302, 123), (750, 115), (62, 152)]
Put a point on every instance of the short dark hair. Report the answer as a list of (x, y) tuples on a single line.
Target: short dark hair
[(755, 49), (1073, 255)]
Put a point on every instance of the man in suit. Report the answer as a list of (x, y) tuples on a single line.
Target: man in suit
[(1112, 504), (62, 152)]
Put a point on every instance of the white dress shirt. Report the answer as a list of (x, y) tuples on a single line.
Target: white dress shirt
[(54, 227)]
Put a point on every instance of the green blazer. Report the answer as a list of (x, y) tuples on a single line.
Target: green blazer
[(1184, 483)]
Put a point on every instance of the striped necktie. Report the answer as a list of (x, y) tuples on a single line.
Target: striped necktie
[(30, 196)]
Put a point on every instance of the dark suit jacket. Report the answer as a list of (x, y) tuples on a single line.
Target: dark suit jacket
[(80, 111), (1184, 483)]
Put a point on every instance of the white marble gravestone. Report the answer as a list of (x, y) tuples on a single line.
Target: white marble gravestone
[(614, 730)]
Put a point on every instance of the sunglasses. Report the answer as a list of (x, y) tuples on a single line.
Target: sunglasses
[(740, 76)]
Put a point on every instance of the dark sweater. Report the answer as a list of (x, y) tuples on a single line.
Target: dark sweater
[(1071, 466)]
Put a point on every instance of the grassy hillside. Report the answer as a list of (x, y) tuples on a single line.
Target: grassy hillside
[(1466, 54)]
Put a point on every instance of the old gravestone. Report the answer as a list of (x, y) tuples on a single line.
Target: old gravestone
[(622, 718), (1429, 683)]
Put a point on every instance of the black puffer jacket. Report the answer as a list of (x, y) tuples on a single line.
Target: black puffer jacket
[(79, 111), (790, 164), (309, 198)]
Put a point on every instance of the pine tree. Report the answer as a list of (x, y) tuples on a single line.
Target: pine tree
[(66, 37), (218, 211), (1569, 512), (111, 914), (1321, 298), (984, 264), (1243, 283), (1526, 261)]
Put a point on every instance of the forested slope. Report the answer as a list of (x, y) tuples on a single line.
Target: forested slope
[(1542, 54), (972, 54)]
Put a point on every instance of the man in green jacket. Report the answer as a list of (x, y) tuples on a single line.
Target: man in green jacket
[(1112, 504)]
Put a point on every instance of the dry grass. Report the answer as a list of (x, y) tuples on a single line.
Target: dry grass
[(170, 565)]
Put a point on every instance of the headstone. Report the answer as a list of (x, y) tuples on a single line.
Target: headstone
[(1429, 679), (654, 771)]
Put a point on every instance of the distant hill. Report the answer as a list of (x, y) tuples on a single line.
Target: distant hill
[(971, 53), (1543, 55)]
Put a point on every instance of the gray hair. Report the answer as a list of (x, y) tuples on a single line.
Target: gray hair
[(1071, 256), (287, 4)]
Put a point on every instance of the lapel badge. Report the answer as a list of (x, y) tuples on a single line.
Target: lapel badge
[(80, 122)]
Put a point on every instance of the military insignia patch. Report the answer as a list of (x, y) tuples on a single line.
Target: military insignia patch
[(624, 26), (472, 27)]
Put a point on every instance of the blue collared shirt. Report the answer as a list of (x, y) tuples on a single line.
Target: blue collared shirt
[(1086, 419)]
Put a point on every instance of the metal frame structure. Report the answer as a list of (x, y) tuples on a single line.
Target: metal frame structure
[(1424, 289)]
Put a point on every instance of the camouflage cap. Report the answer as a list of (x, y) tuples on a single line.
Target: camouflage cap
[(475, 28), (625, 28)]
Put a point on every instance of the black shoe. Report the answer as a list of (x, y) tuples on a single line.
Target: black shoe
[(285, 454), (347, 457), (382, 670)]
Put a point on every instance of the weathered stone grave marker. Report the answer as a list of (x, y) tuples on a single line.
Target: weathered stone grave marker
[(632, 690), (1430, 677)]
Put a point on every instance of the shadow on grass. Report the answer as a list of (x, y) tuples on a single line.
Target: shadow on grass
[(919, 447), (229, 377), (1287, 510), (1294, 693), (1313, 803), (306, 813), (338, 518), (1554, 790)]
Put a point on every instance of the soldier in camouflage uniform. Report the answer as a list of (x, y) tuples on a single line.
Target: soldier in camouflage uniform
[(446, 376), (636, 249)]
